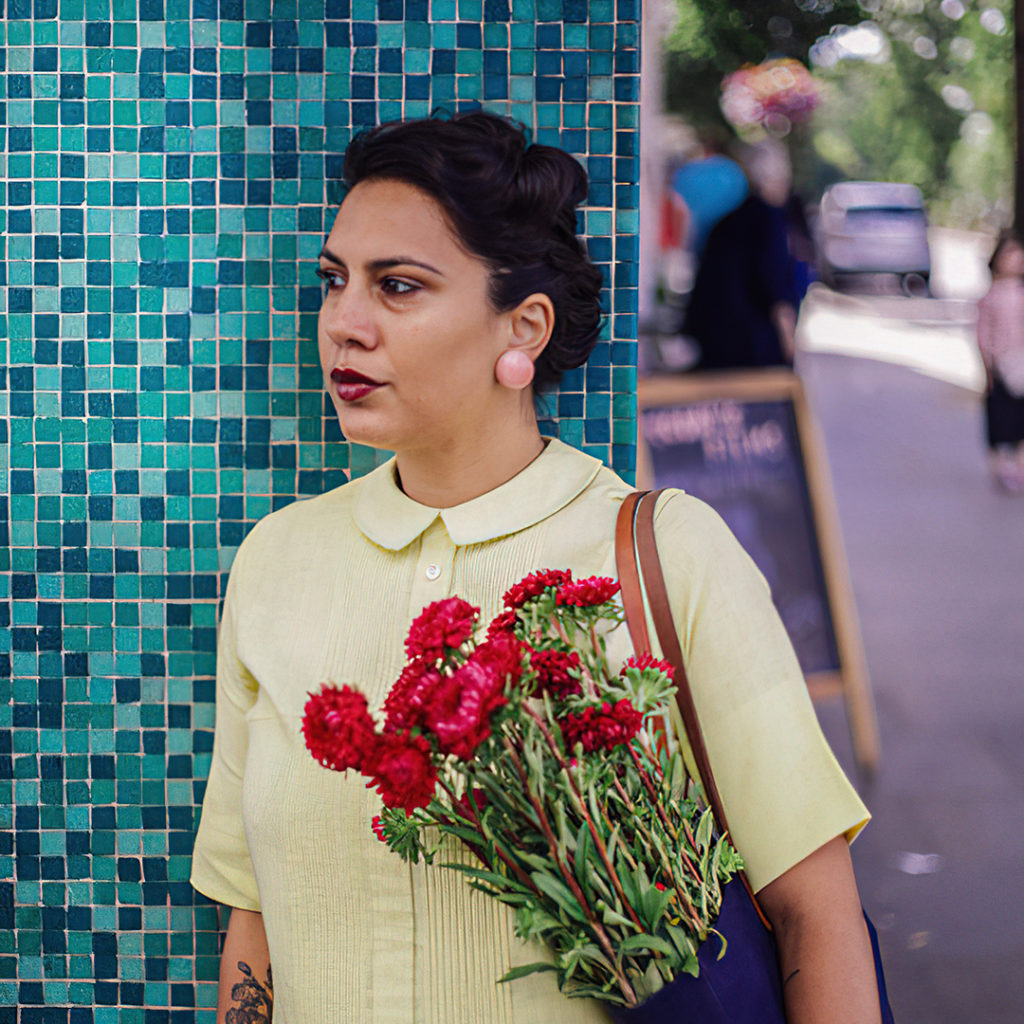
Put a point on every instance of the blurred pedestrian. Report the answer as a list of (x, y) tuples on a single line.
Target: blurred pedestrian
[(711, 186), (742, 311), (1001, 342)]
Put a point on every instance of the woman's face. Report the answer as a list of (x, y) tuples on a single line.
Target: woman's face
[(1010, 260), (408, 339)]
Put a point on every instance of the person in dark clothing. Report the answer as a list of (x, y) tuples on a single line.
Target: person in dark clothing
[(742, 310)]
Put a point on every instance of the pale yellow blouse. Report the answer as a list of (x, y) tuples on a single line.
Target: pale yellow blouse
[(324, 590)]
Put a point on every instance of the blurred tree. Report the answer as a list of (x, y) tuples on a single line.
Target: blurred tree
[(929, 103), (913, 90), (712, 39)]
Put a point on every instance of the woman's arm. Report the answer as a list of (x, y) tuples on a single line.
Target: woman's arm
[(246, 992), (986, 330), (824, 951), (783, 317)]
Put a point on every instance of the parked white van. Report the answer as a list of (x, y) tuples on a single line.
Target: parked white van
[(873, 227)]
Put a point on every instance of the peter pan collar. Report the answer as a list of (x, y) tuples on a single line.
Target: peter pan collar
[(391, 519)]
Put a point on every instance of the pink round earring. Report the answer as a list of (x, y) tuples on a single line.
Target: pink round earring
[(514, 369)]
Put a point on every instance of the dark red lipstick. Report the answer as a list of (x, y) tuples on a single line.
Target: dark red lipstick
[(350, 385)]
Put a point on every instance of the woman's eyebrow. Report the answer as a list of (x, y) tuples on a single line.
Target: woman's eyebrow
[(383, 264)]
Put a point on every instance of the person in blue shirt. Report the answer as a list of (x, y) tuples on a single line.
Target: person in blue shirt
[(711, 186), (742, 310)]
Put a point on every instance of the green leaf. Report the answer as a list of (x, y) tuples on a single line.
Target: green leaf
[(611, 843), (678, 777), (653, 904), (644, 941), (544, 922), (467, 835), (537, 861), (512, 899), (630, 888), (565, 838), (559, 892), (682, 940), (603, 993), (492, 877), (523, 970), (721, 952), (703, 833), (691, 966), (584, 850), (611, 916)]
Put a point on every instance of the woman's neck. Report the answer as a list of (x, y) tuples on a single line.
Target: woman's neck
[(444, 476)]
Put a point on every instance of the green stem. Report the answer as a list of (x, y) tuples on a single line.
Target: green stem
[(684, 898), (648, 784), (569, 878), (602, 850)]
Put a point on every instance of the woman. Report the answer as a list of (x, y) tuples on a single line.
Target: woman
[(455, 284), (1001, 342)]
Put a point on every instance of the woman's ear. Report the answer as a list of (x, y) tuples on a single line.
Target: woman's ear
[(531, 324)]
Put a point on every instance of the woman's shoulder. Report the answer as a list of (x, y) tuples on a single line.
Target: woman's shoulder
[(695, 542), (683, 517), (679, 517), (302, 520)]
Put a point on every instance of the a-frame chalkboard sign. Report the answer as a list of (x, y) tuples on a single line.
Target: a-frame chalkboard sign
[(745, 443)]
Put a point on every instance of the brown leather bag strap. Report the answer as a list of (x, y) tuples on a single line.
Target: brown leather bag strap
[(668, 639), (637, 552), (629, 576)]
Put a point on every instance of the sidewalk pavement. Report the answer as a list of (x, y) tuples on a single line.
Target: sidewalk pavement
[(936, 558)]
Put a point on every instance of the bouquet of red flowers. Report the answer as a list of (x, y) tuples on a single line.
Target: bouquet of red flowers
[(562, 776)]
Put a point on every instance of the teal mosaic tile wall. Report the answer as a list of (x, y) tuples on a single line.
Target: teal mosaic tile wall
[(167, 173)]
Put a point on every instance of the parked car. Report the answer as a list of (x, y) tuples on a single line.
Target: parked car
[(873, 227)]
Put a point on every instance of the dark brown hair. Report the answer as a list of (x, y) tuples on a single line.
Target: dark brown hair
[(510, 203)]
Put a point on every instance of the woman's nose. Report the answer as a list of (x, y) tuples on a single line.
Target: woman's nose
[(346, 317)]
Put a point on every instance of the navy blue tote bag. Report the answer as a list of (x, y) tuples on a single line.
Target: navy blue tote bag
[(744, 986)]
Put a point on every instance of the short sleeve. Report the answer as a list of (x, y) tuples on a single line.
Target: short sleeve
[(783, 791), (221, 866)]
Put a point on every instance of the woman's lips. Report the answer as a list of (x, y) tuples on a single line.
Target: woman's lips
[(350, 385)]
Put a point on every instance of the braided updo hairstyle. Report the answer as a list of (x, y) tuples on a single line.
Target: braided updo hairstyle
[(510, 203)]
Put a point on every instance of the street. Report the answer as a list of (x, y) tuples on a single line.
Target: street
[(936, 557)]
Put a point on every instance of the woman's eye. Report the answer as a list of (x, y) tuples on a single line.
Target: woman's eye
[(331, 278), (397, 286)]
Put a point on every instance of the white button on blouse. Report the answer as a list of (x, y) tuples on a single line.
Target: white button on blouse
[(432, 571)]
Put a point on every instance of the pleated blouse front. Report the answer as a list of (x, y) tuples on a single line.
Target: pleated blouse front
[(325, 590)]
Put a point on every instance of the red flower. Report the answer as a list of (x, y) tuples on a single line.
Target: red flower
[(587, 593), (406, 704), (460, 712), (506, 622), (534, 585), (440, 626), (552, 669), (645, 661), (601, 728), (502, 654), (378, 828), (403, 773), (338, 729)]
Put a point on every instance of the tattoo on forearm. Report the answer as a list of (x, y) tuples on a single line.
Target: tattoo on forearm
[(252, 1000), (791, 977)]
